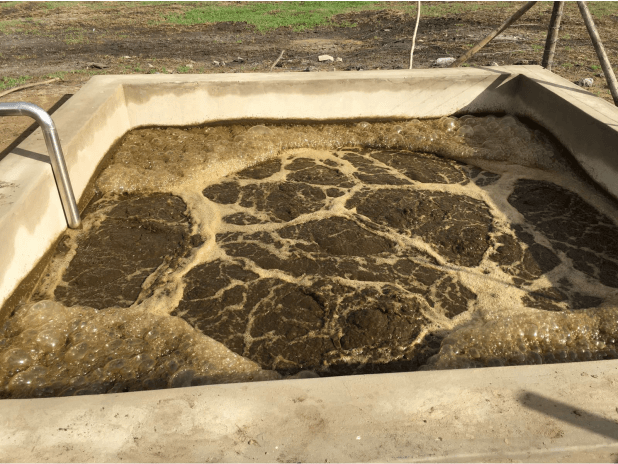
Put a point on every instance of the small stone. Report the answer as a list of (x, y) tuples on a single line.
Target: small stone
[(339, 60), (97, 65), (216, 63), (386, 30), (444, 62), (493, 63), (252, 442), (586, 82), (239, 60), (190, 66), (127, 57), (601, 74), (322, 58), (150, 66)]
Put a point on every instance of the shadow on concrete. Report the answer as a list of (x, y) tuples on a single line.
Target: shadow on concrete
[(25, 134), (31, 154), (571, 414)]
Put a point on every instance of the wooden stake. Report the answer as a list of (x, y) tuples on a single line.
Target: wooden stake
[(518, 14), (418, 16), (598, 46), (21, 87), (276, 61), (552, 35)]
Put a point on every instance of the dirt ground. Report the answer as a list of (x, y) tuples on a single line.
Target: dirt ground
[(64, 42)]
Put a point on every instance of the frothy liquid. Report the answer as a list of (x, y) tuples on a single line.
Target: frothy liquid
[(237, 253)]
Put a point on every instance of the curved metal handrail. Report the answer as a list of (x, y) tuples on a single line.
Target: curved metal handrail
[(54, 149)]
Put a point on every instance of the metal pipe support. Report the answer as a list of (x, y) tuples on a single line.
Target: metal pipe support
[(56, 156)]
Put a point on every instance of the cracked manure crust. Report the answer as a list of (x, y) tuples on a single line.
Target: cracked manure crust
[(352, 296), (256, 252), (137, 236)]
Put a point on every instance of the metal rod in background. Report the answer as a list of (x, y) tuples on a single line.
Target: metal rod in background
[(552, 35), (54, 149), (598, 46), (418, 17), (514, 17)]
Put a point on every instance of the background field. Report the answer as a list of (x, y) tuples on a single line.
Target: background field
[(75, 40)]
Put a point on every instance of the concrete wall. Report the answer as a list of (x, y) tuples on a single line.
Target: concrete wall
[(450, 415)]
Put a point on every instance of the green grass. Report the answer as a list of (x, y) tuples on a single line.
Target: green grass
[(183, 70), (14, 25), (9, 4), (269, 16), (601, 9), (10, 82)]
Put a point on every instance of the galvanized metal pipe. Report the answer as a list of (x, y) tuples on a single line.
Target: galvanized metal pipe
[(56, 156)]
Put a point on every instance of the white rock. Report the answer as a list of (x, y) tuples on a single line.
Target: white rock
[(444, 62), (325, 58), (587, 82), (216, 63), (189, 66), (150, 66), (339, 59)]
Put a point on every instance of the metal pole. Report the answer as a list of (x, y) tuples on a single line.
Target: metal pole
[(54, 149), (514, 17), (598, 46), (552, 35)]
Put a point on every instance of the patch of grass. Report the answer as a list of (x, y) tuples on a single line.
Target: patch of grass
[(74, 36), (456, 8), (56, 5), (268, 16), (595, 67), (537, 47), (567, 65), (10, 82), (137, 69), (11, 25), (60, 75), (601, 9), (183, 70), (10, 4)]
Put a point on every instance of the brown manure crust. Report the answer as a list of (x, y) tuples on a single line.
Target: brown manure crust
[(458, 226), (336, 293), (138, 235), (587, 237), (307, 258)]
